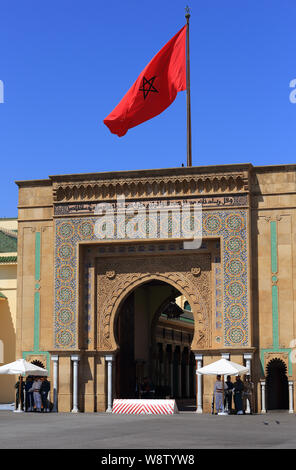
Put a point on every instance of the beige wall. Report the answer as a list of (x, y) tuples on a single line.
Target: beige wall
[(273, 198), (8, 284)]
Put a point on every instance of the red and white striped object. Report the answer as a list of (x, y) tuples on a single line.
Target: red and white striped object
[(145, 406)]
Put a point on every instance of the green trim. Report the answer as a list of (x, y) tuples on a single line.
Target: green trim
[(37, 256), (275, 303), (39, 353), (36, 350), (273, 244), (274, 289), (8, 259), (2, 296), (36, 320), (275, 350), (275, 317)]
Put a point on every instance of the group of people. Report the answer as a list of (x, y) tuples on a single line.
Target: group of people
[(240, 391), (34, 394)]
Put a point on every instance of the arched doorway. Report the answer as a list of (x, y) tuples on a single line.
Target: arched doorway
[(277, 385), (154, 333)]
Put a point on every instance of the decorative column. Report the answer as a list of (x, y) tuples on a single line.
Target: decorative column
[(225, 356), (262, 384), (291, 404), (187, 375), (55, 360), (172, 370), (198, 359), (75, 360), (109, 359), (161, 365), (180, 374), (248, 357)]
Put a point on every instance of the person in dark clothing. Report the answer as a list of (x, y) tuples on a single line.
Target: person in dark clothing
[(228, 394), (147, 389), (29, 395), (17, 387), (44, 390), (238, 389)]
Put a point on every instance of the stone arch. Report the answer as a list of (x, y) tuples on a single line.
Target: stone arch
[(130, 282)]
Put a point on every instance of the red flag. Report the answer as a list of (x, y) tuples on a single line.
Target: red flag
[(155, 88)]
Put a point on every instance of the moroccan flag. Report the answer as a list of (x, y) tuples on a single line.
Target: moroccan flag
[(155, 88)]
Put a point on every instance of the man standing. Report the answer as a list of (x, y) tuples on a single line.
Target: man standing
[(29, 395), (218, 394), (238, 389), (248, 393), (44, 389), (19, 386), (36, 393), (228, 394)]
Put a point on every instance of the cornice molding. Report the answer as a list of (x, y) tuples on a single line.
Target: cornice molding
[(153, 186)]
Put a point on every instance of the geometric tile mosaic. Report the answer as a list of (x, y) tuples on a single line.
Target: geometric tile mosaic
[(232, 309)]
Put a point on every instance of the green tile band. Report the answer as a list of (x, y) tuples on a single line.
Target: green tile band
[(36, 320), (275, 317), (275, 302), (37, 255), (273, 242), (36, 349), (274, 291)]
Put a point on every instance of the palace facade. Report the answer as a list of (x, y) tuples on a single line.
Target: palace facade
[(92, 294)]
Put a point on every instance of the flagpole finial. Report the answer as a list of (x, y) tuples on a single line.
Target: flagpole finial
[(187, 11)]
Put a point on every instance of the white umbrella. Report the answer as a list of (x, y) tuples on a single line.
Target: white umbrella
[(223, 367), (22, 367)]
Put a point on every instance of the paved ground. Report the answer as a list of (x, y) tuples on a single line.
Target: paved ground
[(180, 431)]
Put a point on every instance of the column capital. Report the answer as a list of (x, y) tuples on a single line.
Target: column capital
[(225, 356), (109, 358), (55, 358), (198, 357), (262, 381), (248, 356), (291, 382), (75, 357)]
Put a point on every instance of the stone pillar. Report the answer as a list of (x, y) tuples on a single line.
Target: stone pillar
[(263, 406), (161, 365), (109, 360), (187, 375), (225, 356), (180, 374), (198, 359), (291, 404), (75, 360), (166, 366), (248, 358), (172, 370), (55, 360), (195, 377)]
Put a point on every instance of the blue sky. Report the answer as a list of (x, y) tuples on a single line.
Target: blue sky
[(66, 64)]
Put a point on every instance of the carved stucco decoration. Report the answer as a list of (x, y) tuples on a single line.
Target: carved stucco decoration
[(151, 186), (283, 356), (131, 273)]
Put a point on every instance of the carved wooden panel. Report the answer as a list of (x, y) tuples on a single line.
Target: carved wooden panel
[(179, 271)]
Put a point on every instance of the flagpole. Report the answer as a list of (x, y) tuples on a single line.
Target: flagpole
[(189, 152)]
